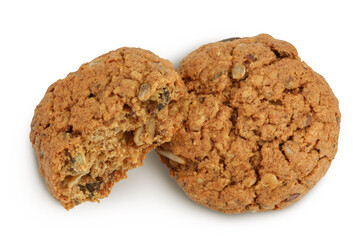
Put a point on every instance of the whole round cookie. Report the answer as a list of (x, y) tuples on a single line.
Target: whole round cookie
[(261, 127), (97, 123)]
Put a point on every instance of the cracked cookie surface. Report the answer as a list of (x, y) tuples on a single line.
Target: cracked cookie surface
[(261, 127), (99, 122)]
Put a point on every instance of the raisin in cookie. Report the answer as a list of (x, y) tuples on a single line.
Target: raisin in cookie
[(97, 123), (261, 127)]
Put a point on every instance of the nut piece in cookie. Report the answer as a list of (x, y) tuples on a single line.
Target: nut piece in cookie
[(99, 122), (261, 127)]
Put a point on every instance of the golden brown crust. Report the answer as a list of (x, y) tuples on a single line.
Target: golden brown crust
[(261, 130), (99, 122)]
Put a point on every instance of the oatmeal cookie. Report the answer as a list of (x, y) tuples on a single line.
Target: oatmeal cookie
[(261, 127), (97, 123)]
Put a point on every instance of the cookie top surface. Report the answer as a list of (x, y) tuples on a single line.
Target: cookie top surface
[(262, 127), (122, 88), (100, 121)]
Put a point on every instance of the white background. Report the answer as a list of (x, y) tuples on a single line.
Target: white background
[(42, 41)]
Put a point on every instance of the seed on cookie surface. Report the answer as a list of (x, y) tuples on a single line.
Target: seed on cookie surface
[(94, 62), (216, 76), (290, 84), (161, 68), (171, 156), (137, 135), (268, 181), (144, 92), (288, 151), (292, 197), (229, 39), (238, 71)]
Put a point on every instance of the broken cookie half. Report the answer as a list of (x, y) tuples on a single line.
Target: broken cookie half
[(99, 122)]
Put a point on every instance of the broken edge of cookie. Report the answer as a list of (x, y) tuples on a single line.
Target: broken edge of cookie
[(84, 146)]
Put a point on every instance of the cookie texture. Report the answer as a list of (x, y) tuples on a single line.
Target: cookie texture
[(97, 123), (261, 127)]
